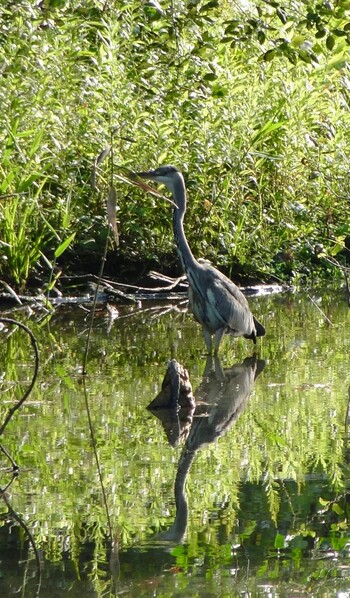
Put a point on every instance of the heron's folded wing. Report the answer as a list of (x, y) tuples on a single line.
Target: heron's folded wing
[(230, 305)]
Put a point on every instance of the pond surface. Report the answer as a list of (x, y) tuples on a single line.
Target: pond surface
[(249, 495)]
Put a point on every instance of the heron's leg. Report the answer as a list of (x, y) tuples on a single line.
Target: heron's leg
[(217, 339), (209, 367), (219, 372), (207, 338)]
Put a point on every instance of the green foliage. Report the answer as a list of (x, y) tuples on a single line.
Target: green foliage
[(264, 143), (296, 31)]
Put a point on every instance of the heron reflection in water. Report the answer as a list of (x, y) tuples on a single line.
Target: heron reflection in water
[(216, 302), (220, 399)]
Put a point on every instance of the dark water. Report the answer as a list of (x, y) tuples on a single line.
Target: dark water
[(247, 495)]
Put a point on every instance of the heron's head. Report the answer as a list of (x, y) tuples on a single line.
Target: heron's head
[(169, 176)]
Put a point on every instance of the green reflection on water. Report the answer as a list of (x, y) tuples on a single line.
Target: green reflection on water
[(267, 502)]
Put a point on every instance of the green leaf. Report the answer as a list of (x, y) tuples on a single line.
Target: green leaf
[(339, 32), (209, 77), (269, 55), (330, 42), (36, 143), (209, 5), (63, 246), (261, 36), (337, 509), (279, 541), (26, 183)]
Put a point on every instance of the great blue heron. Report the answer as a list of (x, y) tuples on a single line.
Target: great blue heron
[(216, 302)]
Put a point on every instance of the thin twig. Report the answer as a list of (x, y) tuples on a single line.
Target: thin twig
[(87, 345), (11, 292), (320, 310), (15, 467), (93, 442), (35, 373), (8, 195)]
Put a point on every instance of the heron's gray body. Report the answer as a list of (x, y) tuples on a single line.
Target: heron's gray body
[(216, 302)]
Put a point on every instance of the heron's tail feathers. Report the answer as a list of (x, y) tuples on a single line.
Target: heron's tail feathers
[(260, 330)]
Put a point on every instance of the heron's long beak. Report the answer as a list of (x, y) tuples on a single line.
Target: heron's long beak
[(149, 174)]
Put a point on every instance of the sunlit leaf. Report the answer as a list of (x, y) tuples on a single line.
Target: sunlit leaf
[(36, 142), (51, 285), (338, 246), (64, 245), (269, 55), (279, 541), (336, 508), (26, 183)]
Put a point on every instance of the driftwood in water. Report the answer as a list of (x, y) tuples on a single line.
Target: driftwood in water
[(81, 289), (174, 405)]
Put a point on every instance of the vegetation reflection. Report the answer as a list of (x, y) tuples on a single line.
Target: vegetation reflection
[(263, 501)]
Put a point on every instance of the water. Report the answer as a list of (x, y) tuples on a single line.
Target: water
[(262, 499)]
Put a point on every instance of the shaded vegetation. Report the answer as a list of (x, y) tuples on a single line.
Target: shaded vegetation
[(251, 101)]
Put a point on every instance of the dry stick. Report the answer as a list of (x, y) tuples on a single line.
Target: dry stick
[(93, 311), (320, 310), (11, 291), (100, 275), (35, 374), (87, 345), (7, 195)]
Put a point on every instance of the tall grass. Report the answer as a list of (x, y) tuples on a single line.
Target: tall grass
[(264, 145)]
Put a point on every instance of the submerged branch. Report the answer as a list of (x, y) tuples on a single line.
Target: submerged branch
[(35, 373)]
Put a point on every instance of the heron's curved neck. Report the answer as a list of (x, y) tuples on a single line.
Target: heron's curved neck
[(177, 530), (184, 251), (184, 465)]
